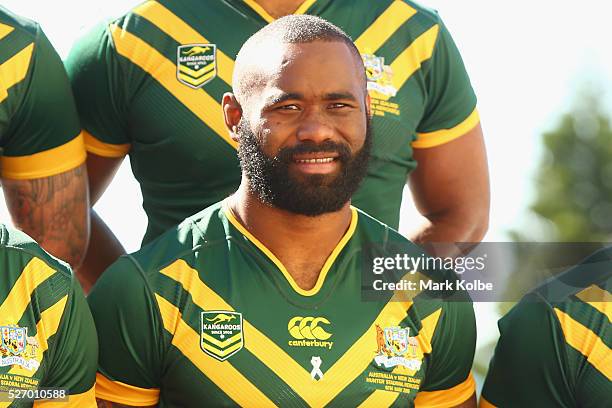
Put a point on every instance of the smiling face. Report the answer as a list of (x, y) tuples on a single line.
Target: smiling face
[(303, 135)]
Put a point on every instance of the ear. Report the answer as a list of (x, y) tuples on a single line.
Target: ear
[(368, 104), (232, 113)]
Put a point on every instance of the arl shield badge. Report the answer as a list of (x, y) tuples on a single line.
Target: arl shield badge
[(221, 335), (196, 64)]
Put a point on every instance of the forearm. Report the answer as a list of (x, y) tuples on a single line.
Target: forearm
[(104, 249), (54, 211)]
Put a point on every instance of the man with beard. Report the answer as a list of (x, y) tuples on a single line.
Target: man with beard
[(148, 85), (256, 301)]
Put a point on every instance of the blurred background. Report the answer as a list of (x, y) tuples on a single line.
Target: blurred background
[(542, 72)]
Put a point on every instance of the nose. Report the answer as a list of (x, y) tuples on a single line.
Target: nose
[(315, 128)]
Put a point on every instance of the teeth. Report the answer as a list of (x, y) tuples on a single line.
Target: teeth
[(326, 160)]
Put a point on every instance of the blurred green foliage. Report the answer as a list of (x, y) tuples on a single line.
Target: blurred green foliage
[(573, 201)]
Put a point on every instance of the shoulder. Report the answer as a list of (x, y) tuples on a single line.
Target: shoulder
[(424, 12), (184, 241), (369, 230), (22, 249), (22, 26), (579, 297)]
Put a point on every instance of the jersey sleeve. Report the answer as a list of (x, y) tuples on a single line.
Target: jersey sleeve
[(130, 336), (450, 111), (74, 359), (528, 367), (43, 136), (100, 91), (448, 381)]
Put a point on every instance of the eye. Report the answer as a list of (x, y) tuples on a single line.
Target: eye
[(289, 107), (338, 105)]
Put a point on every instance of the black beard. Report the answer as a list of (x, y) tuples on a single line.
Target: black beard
[(314, 194)]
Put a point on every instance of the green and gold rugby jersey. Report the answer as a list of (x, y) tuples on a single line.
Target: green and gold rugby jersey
[(40, 134), (47, 334), (555, 348), (206, 315), (150, 84)]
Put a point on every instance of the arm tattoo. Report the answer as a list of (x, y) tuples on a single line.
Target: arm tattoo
[(54, 211)]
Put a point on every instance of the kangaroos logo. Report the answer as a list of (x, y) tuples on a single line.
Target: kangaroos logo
[(308, 331), (196, 64), (221, 335)]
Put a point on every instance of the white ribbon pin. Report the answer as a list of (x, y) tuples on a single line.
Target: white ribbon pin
[(316, 368)]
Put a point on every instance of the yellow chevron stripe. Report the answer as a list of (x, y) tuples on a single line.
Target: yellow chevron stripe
[(412, 57), (5, 30), (182, 33), (199, 72), (164, 71), (222, 373), (451, 397), (380, 399), (598, 298), (587, 343), (383, 27), (196, 82), (15, 304), (439, 137), (14, 70), (341, 374), (220, 343), (47, 326), (222, 353), (428, 328)]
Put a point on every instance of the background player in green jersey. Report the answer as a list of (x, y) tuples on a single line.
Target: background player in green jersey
[(148, 85), (256, 300), (42, 151), (47, 334), (555, 348)]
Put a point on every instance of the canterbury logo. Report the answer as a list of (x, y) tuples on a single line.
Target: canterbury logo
[(308, 328), (221, 318), (195, 50)]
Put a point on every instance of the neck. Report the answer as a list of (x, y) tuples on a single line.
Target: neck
[(301, 243), (279, 8)]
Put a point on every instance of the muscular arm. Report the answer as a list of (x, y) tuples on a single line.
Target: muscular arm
[(451, 190), (104, 247), (54, 211)]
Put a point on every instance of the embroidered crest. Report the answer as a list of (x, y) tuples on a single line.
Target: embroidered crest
[(16, 348), (196, 64), (379, 75), (396, 347), (221, 334)]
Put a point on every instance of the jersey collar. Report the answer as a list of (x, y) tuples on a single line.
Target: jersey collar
[(326, 267), (255, 7)]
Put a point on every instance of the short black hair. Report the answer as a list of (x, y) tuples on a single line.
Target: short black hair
[(291, 29)]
